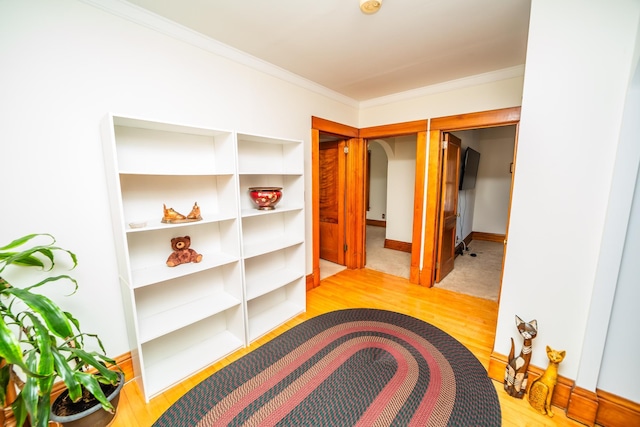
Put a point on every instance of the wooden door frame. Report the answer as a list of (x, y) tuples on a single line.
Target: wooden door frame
[(428, 173), (350, 134), (356, 188), (484, 119), (419, 128)]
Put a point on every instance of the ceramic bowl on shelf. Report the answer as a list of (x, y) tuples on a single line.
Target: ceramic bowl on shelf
[(265, 198)]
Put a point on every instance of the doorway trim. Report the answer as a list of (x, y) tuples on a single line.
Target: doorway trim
[(419, 128), (428, 172), (478, 120), (351, 135)]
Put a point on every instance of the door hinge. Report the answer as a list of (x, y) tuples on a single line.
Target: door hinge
[(437, 265), (445, 144), (346, 150), (345, 248)]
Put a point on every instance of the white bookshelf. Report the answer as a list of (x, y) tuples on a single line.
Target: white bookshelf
[(174, 356), (251, 278), (274, 308), (272, 240)]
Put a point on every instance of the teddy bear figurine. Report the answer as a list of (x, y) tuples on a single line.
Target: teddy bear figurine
[(182, 253)]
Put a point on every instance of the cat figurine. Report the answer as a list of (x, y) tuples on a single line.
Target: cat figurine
[(542, 387), (515, 373)]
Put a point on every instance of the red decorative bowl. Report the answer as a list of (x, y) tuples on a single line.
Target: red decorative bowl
[(265, 198)]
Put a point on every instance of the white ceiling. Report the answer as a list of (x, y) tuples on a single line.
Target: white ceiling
[(408, 44)]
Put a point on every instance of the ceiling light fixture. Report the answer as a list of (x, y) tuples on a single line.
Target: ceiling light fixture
[(370, 6)]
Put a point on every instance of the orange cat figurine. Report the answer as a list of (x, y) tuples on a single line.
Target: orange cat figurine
[(541, 389)]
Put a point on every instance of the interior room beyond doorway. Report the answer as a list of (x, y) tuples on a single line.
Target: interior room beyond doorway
[(482, 211), (483, 214), (425, 233), (390, 198)]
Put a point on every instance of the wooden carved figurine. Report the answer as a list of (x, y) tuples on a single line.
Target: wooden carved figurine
[(515, 373), (170, 216), (195, 212), (541, 389)]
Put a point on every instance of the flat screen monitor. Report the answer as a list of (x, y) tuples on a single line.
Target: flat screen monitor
[(469, 172)]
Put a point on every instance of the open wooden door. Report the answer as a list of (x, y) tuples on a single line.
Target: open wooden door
[(331, 203), (446, 244)]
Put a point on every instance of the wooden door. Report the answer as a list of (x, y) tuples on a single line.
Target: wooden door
[(448, 206), (331, 204)]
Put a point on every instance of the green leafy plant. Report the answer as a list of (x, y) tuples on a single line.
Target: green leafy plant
[(39, 342)]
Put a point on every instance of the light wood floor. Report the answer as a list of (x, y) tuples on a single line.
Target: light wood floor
[(470, 320)]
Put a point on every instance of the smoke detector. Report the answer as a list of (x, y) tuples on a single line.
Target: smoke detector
[(370, 6)]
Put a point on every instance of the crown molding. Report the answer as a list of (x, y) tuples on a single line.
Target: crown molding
[(141, 16), (492, 76), (148, 19)]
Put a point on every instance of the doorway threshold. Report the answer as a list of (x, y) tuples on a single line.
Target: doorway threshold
[(328, 268)]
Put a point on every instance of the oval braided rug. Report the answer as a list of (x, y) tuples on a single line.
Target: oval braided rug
[(356, 367)]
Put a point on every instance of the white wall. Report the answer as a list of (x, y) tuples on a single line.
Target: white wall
[(493, 186), (618, 356), (485, 208), (580, 57), (378, 180), (65, 64), (453, 99), (620, 369), (401, 177), (393, 170)]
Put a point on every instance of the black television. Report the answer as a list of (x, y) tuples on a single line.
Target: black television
[(469, 170)]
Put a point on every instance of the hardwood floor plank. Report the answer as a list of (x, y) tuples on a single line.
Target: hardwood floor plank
[(470, 320)]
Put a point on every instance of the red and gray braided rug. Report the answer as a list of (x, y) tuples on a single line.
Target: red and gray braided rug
[(356, 367)]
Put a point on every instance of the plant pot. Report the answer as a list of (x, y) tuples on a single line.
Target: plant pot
[(95, 416)]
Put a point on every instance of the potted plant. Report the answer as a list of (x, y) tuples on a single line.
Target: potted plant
[(39, 342)]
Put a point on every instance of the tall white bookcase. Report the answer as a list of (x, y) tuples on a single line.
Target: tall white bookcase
[(272, 240), (252, 275)]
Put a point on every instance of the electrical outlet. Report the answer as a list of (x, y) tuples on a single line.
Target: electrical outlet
[(382, 216)]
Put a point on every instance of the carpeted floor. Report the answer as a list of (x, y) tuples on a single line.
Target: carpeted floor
[(382, 259), (477, 275), (348, 367)]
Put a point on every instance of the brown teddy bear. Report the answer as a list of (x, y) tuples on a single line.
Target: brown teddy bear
[(181, 252)]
